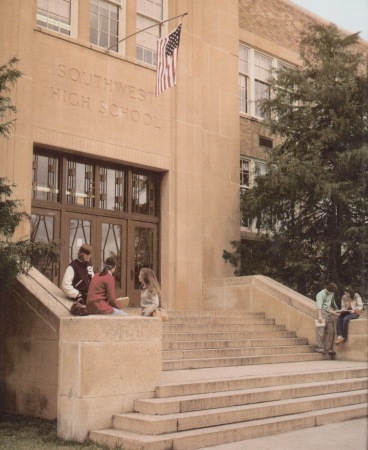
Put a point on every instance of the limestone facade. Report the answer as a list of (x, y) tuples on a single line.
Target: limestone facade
[(80, 103)]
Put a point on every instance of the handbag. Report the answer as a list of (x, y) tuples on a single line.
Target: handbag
[(161, 313), (78, 308)]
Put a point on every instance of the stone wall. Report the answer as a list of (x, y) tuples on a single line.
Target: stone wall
[(298, 313), (80, 370)]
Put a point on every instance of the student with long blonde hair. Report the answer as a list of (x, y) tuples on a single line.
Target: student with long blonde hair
[(150, 291)]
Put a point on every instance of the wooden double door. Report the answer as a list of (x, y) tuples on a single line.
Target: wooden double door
[(134, 243)]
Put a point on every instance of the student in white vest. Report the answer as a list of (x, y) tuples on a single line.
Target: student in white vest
[(78, 275)]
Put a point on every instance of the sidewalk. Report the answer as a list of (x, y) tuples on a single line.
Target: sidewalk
[(349, 435)]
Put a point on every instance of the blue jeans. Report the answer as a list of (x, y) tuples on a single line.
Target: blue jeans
[(342, 324), (119, 312)]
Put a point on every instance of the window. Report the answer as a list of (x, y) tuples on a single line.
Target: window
[(80, 182), (255, 70), (54, 15), (149, 12), (243, 78), (45, 180), (143, 199), (112, 189), (249, 171), (104, 24), (244, 173), (262, 72)]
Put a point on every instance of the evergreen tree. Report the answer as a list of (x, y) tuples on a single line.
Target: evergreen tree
[(16, 257), (310, 208), (8, 77)]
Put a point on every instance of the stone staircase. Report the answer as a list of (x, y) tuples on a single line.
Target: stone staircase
[(201, 339), (222, 404)]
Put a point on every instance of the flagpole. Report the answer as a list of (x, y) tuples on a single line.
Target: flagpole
[(140, 31)]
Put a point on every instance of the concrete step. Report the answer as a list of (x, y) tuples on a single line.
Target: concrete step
[(192, 314), (169, 337), (183, 421), (182, 364), (220, 328), (227, 398), (257, 381), (250, 318), (236, 343), (235, 352), (222, 434)]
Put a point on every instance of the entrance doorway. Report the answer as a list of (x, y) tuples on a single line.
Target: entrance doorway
[(75, 201)]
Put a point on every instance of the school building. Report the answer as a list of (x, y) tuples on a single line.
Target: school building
[(98, 157)]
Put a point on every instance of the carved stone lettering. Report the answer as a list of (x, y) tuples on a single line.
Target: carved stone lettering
[(123, 96), (126, 91)]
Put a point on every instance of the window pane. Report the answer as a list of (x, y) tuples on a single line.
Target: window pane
[(80, 182), (147, 40), (143, 251), (104, 23), (243, 93), (243, 60), (151, 8), (42, 229), (79, 233), (111, 246), (104, 39), (143, 194), (45, 178), (93, 20), (112, 189), (93, 36), (55, 15), (244, 173), (262, 67)]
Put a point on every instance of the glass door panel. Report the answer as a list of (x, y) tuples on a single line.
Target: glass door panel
[(142, 252), (77, 229), (44, 228), (79, 233), (112, 236)]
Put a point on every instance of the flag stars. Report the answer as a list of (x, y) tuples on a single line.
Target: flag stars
[(173, 41)]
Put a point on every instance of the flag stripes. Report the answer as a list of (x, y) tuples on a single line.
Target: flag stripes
[(167, 58)]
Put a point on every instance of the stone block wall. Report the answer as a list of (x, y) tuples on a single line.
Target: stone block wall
[(295, 311), (80, 370)]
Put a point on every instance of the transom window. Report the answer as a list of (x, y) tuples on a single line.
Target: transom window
[(104, 24), (55, 15), (149, 12), (79, 182)]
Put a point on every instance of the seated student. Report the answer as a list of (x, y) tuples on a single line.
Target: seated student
[(101, 298), (150, 291), (78, 275), (351, 308)]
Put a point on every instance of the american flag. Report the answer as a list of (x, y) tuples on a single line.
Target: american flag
[(167, 57)]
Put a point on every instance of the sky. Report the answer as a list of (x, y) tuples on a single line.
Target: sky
[(351, 15)]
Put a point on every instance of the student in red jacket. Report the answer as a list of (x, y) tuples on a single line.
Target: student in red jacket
[(101, 298)]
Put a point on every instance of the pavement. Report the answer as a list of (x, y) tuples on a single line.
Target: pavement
[(348, 435)]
